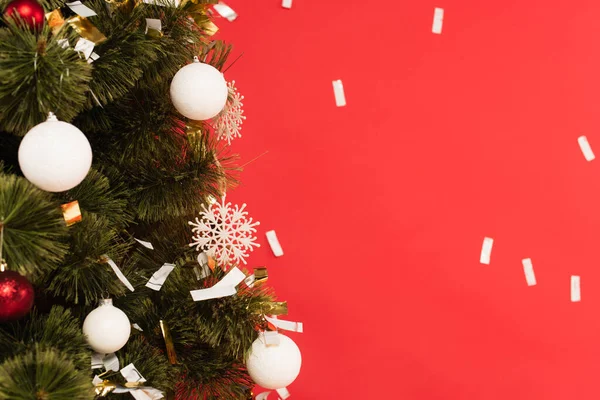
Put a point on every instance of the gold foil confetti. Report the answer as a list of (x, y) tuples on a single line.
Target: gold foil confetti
[(259, 277), (166, 332), (210, 28), (86, 29), (273, 308), (71, 212)]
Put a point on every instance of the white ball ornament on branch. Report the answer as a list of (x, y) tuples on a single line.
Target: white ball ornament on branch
[(55, 156), (107, 328), (274, 366), (199, 91)]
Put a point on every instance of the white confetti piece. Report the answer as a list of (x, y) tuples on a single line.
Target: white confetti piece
[(63, 43), (271, 338), (84, 46), (83, 11), (213, 293), (233, 278), (111, 362), (93, 57), (147, 245), (338, 92), (249, 281), (274, 243), (96, 98), (118, 272), (96, 380), (486, 250), (529, 274), (139, 328), (575, 288), (160, 276), (438, 20), (153, 23), (286, 3), (97, 360), (131, 374), (262, 396), (225, 11), (225, 287), (283, 393), (203, 270), (586, 148), (286, 325)]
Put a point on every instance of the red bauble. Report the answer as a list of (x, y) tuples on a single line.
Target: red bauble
[(16, 296), (31, 12)]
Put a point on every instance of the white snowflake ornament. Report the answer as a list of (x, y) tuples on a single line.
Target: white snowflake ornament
[(224, 232), (228, 123)]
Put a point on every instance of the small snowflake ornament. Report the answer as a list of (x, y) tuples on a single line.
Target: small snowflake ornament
[(224, 232), (229, 121)]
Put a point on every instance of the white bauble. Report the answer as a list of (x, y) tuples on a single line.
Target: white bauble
[(107, 328), (55, 156), (274, 366), (199, 91)]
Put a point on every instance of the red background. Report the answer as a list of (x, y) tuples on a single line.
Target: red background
[(382, 206)]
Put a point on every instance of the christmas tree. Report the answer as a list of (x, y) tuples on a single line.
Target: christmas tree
[(115, 118)]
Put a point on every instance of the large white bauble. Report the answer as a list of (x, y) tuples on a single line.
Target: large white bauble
[(274, 366), (199, 91), (107, 328), (55, 156)]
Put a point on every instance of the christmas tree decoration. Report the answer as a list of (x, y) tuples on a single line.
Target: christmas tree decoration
[(16, 294), (199, 91), (107, 328), (29, 11), (72, 230), (229, 122), (224, 232), (274, 366), (55, 156)]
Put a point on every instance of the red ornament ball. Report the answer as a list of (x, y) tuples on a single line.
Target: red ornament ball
[(16, 296), (31, 12)]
